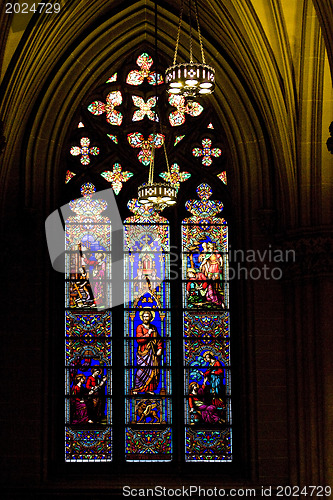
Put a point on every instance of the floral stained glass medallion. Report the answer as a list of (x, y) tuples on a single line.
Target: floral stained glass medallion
[(84, 151), (137, 140), (207, 153), (145, 108), (116, 177), (177, 117), (175, 177), (136, 77), (113, 116)]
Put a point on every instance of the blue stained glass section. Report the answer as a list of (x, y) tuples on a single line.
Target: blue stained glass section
[(148, 406)]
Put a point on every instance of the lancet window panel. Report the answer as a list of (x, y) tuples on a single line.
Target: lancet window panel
[(206, 344), (147, 340), (88, 332)]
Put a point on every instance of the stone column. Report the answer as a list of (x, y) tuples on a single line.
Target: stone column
[(309, 335)]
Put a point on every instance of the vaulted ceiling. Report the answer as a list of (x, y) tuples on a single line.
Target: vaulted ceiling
[(273, 94)]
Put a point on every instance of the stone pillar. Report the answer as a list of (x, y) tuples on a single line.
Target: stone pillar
[(309, 320)]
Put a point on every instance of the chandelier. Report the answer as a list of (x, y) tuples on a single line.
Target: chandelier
[(190, 79), (157, 195)]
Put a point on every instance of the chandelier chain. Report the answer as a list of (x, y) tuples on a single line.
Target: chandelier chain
[(199, 32), (178, 33), (191, 41)]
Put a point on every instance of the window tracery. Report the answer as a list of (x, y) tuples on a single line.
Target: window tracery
[(119, 116)]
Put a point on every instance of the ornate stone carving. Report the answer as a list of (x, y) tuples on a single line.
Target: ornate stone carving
[(310, 256)]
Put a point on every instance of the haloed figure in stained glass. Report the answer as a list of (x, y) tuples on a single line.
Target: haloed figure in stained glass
[(214, 375), (96, 395), (148, 356), (211, 263), (79, 410)]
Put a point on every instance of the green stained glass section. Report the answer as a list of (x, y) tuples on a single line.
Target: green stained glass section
[(113, 138)]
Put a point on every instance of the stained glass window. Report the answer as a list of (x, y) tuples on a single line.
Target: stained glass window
[(148, 432), (88, 430), (150, 423), (207, 380)]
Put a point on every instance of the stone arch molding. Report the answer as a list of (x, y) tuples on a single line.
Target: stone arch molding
[(58, 61)]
